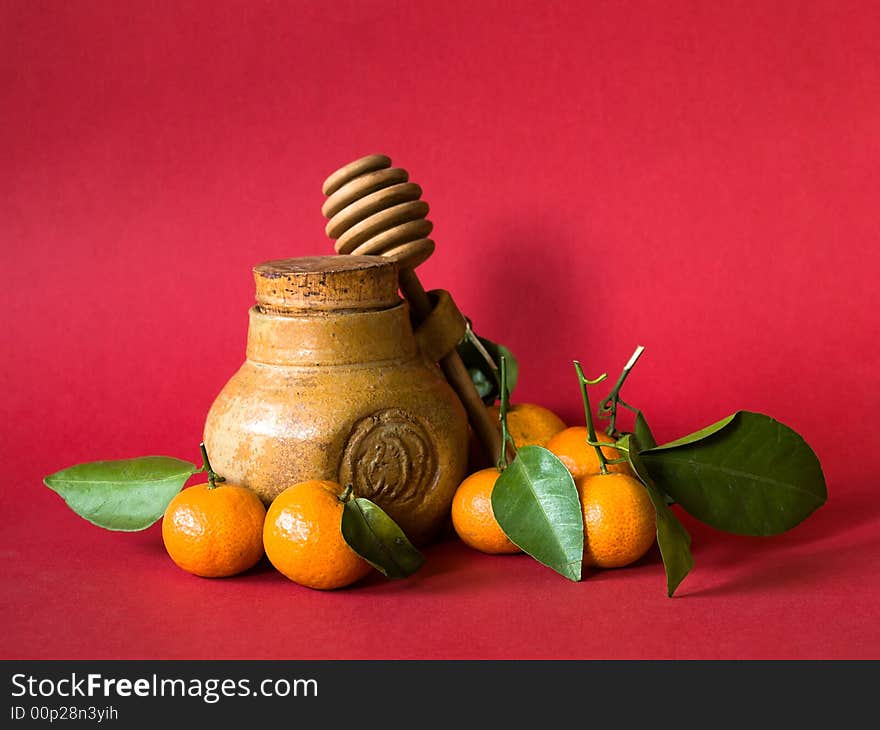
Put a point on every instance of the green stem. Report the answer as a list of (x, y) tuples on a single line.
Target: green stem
[(609, 405), (591, 431), (346, 494), (506, 438), (213, 477)]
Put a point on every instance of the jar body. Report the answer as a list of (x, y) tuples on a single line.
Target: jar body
[(344, 396)]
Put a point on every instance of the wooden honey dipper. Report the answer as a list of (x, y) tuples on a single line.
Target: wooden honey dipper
[(373, 208)]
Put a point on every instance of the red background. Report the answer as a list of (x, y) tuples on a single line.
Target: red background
[(700, 178)]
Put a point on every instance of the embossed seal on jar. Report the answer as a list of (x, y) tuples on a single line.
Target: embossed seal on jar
[(390, 457), (335, 387)]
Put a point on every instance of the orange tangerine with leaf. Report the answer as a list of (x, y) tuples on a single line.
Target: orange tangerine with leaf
[(303, 536)]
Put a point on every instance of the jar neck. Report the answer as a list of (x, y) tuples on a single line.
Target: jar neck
[(309, 339)]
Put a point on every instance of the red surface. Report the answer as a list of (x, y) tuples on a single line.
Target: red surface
[(699, 178)]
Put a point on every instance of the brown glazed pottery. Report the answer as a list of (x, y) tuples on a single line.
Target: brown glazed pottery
[(335, 387)]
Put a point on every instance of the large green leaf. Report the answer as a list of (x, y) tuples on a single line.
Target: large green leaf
[(536, 503), (126, 494), (673, 540), (748, 474), (373, 535)]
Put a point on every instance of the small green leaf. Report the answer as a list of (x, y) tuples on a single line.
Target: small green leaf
[(498, 351), (484, 386), (747, 474), (485, 377), (644, 440), (537, 506), (373, 535), (673, 540), (126, 494), (641, 431)]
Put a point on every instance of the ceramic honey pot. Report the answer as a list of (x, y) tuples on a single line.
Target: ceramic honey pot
[(338, 386)]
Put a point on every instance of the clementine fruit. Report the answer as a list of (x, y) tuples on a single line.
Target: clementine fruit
[(571, 446), (619, 519), (472, 515), (303, 537), (529, 424), (214, 531)]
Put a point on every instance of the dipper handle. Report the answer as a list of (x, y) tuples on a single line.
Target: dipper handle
[(373, 209)]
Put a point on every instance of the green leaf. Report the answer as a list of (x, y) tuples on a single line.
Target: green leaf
[(645, 440), (641, 431), (485, 377), (747, 474), (537, 506), (497, 352), (673, 540), (485, 387), (698, 435), (126, 494), (373, 535)]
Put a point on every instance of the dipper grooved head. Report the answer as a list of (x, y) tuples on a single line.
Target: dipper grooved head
[(373, 209)]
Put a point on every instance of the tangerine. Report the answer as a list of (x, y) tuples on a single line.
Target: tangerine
[(473, 518), (303, 537), (619, 519), (571, 446), (214, 531), (529, 424)]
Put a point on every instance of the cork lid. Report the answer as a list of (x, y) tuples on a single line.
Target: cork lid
[(324, 283)]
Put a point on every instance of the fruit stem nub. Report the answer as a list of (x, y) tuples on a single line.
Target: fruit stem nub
[(346, 493), (213, 477), (591, 430)]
